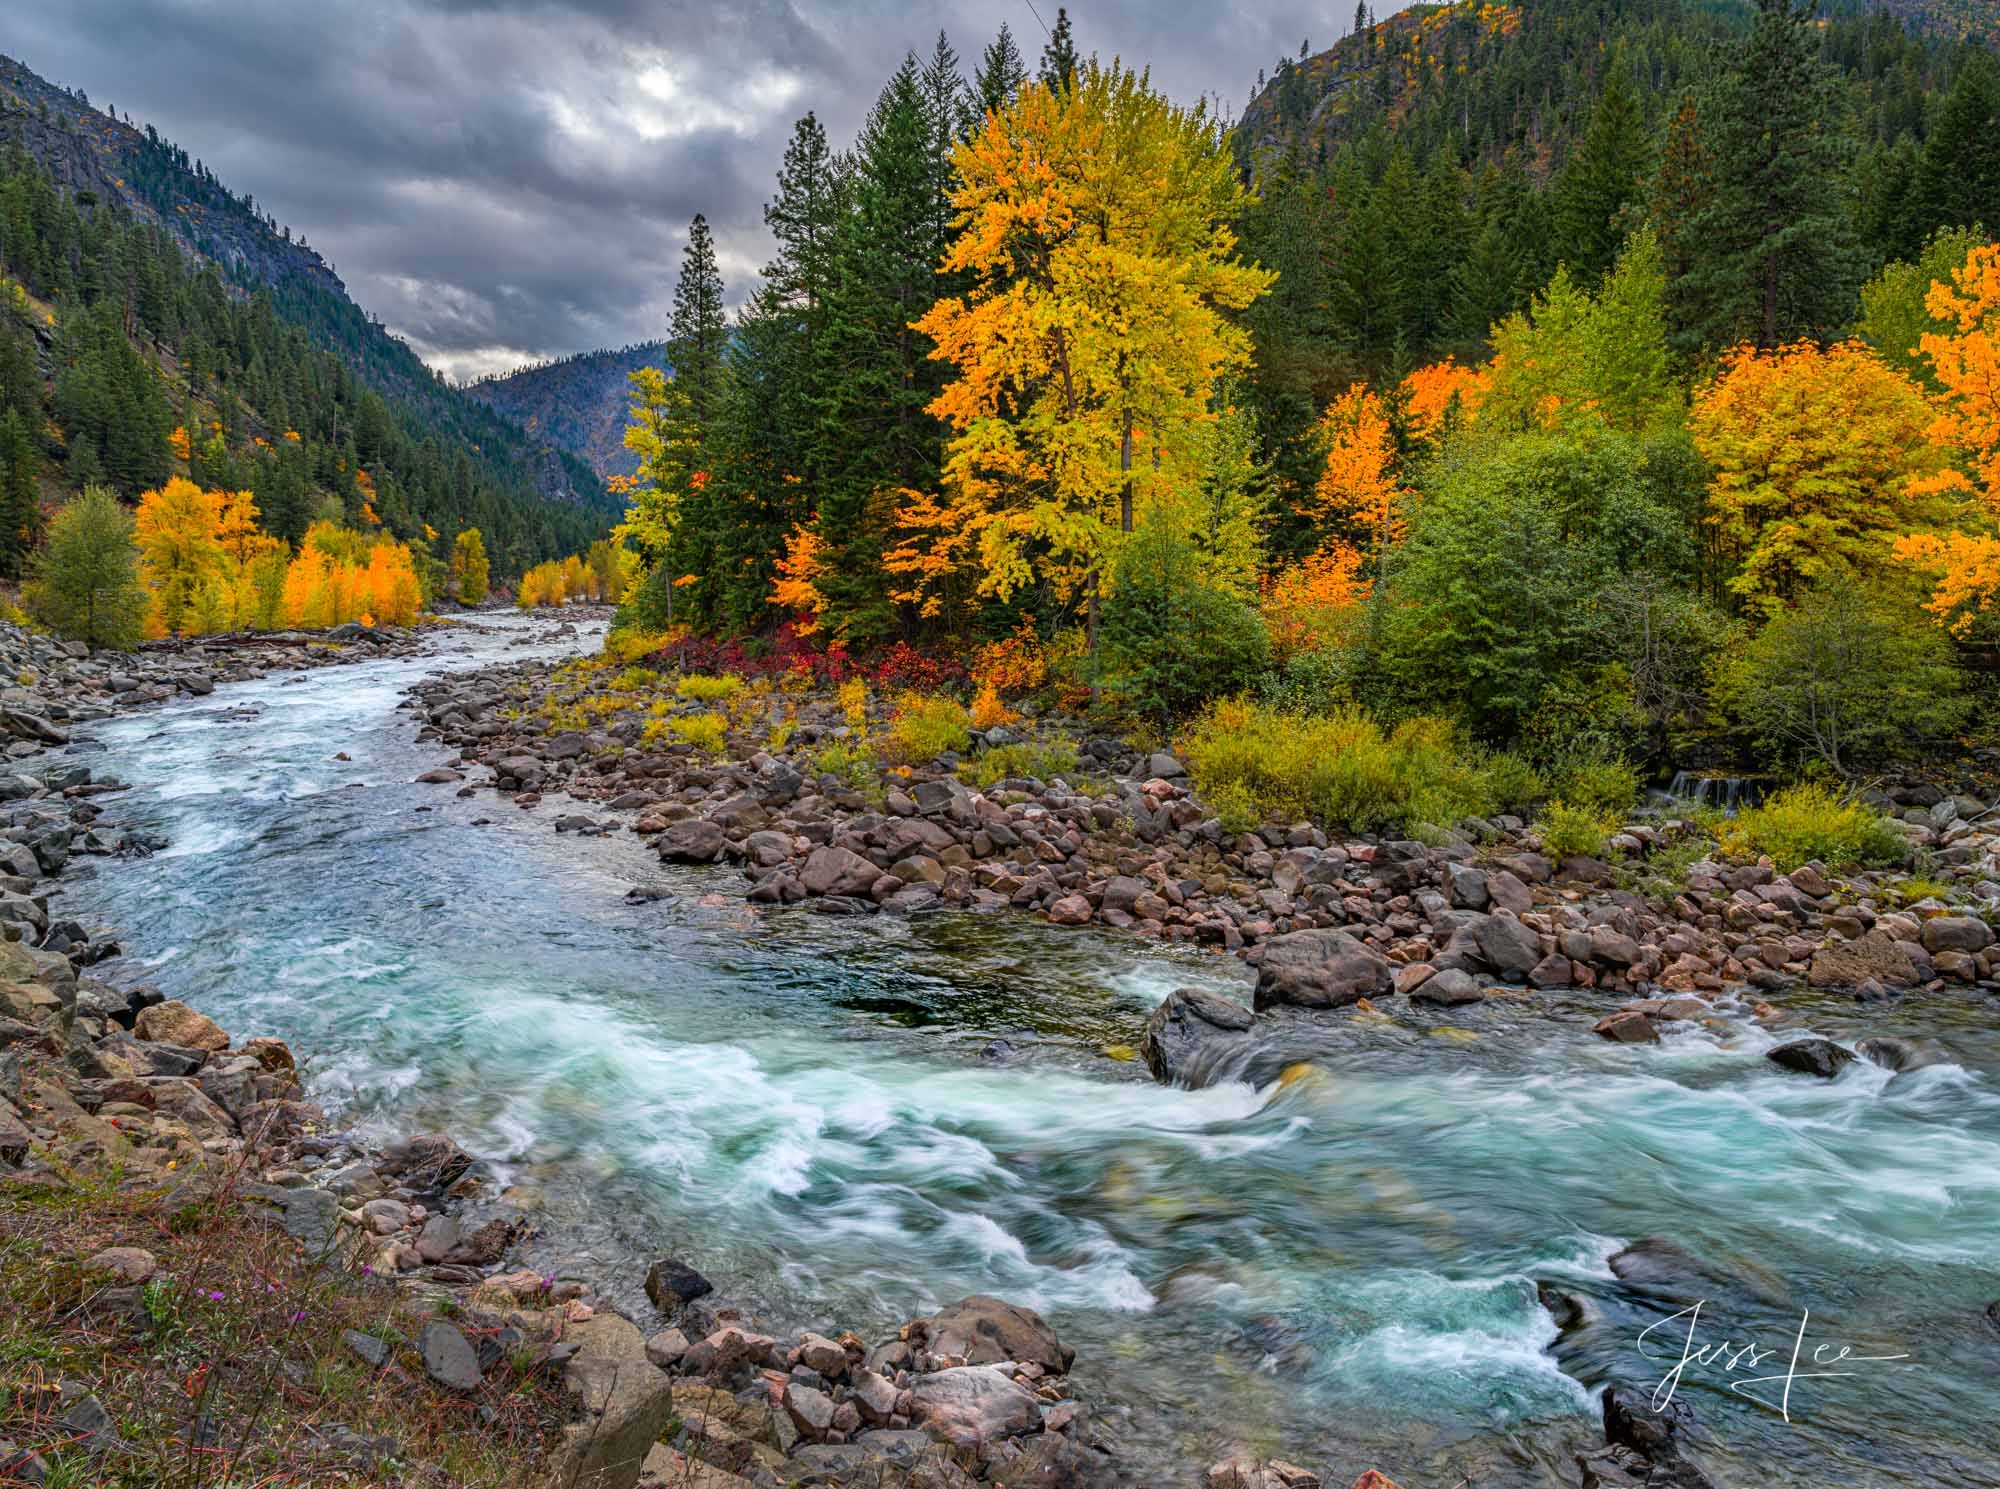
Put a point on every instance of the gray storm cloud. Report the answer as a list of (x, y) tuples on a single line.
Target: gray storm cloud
[(502, 180)]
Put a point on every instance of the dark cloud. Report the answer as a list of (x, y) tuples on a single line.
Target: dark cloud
[(507, 179)]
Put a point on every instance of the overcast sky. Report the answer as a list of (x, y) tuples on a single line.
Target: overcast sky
[(503, 180)]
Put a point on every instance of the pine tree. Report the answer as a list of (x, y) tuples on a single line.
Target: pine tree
[(1958, 183), (1059, 56), (1603, 177), (1777, 254), (699, 331), (20, 496), (1002, 71)]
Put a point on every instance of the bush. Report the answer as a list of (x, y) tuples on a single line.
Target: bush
[(1811, 821), (988, 712), (925, 726), (707, 732), (1850, 677), (1512, 782), (86, 581), (703, 689), (1571, 831), (853, 763), (853, 698), (1341, 769), (1033, 760), (1605, 788), (1171, 640), (635, 644)]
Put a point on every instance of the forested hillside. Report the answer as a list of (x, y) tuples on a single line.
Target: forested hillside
[(147, 298), (579, 402)]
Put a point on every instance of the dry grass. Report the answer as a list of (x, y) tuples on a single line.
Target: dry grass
[(229, 1370)]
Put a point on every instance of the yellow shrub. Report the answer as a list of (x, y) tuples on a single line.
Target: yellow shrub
[(925, 726), (707, 732), (705, 689), (988, 712), (1808, 822), (853, 698)]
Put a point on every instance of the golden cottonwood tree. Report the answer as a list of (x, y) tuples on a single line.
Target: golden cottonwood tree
[(1966, 365), (1093, 225)]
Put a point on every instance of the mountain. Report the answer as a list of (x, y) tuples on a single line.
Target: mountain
[(231, 310), (1514, 84), (580, 402)]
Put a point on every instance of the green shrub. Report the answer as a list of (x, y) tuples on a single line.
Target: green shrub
[(707, 732), (1033, 759), (1511, 782), (1235, 807), (1171, 639), (925, 726), (852, 763), (1341, 769), (1812, 821), (704, 689), (1604, 787), (1571, 831)]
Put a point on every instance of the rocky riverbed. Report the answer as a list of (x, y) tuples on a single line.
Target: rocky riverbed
[(1262, 1247)]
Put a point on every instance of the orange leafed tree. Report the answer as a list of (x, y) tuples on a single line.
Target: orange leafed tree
[(1308, 602), (800, 571), (1441, 391), (1966, 362), (1358, 490), (1820, 458)]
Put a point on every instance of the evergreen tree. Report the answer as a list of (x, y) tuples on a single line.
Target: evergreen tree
[(1603, 177), (1002, 71), (86, 580), (1958, 183), (1777, 257), (699, 330), (1059, 56), (20, 495), (20, 380)]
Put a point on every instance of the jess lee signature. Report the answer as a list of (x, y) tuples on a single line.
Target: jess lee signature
[(1817, 1362)]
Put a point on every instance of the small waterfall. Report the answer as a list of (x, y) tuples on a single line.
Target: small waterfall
[(1717, 793)]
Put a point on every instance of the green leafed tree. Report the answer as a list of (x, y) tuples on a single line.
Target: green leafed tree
[(469, 568), (86, 578)]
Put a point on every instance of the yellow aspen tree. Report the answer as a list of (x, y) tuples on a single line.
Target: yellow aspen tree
[(1094, 226), (179, 554)]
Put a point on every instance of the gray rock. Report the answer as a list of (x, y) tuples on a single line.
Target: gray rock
[(1956, 933), (449, 1358), (983, 1330), (838, 871), (1450, 988), (694, 840), (1193, 1033), (1319, 969), (672, 1284), (1820, 1057), (1509, 947), (974, 1406), (374, 1352)]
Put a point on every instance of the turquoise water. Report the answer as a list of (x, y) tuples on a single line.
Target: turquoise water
[(857, 1119)]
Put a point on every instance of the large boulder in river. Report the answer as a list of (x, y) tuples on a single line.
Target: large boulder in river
[(695, 840), (838, 871), (987, 1331), (1820, 1057), (1956, 933), (1319, 969), (173, 1022), (1193, 1032)]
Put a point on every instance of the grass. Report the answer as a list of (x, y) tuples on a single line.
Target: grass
[(229, 1369), (705, 689), (1035, 760), (1339, 769), (1809, 822)]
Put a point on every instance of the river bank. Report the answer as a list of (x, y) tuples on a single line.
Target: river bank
[(866, 1116)]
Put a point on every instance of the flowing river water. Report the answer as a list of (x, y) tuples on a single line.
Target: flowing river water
[(855, 1120)]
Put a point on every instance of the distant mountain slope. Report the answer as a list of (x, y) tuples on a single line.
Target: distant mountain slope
[(580, 402), (1513, 82), (96, 159)]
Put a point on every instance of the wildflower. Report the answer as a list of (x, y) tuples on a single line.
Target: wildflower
[(215, 1297)]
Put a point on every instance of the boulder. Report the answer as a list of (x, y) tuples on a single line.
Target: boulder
[(1509, 947), (173, 1022), (449, 1358), (623, 1405), (974, 1406), (671, 1284), (1450, 988), (1627, 1026), (838, 871), (1874, 957), (1820, 1057), (1319, 969), (982, 1331), (1190, 1032), (1956, 933), (693, 840)]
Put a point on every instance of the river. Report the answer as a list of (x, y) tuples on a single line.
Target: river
[(856, 1119)]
